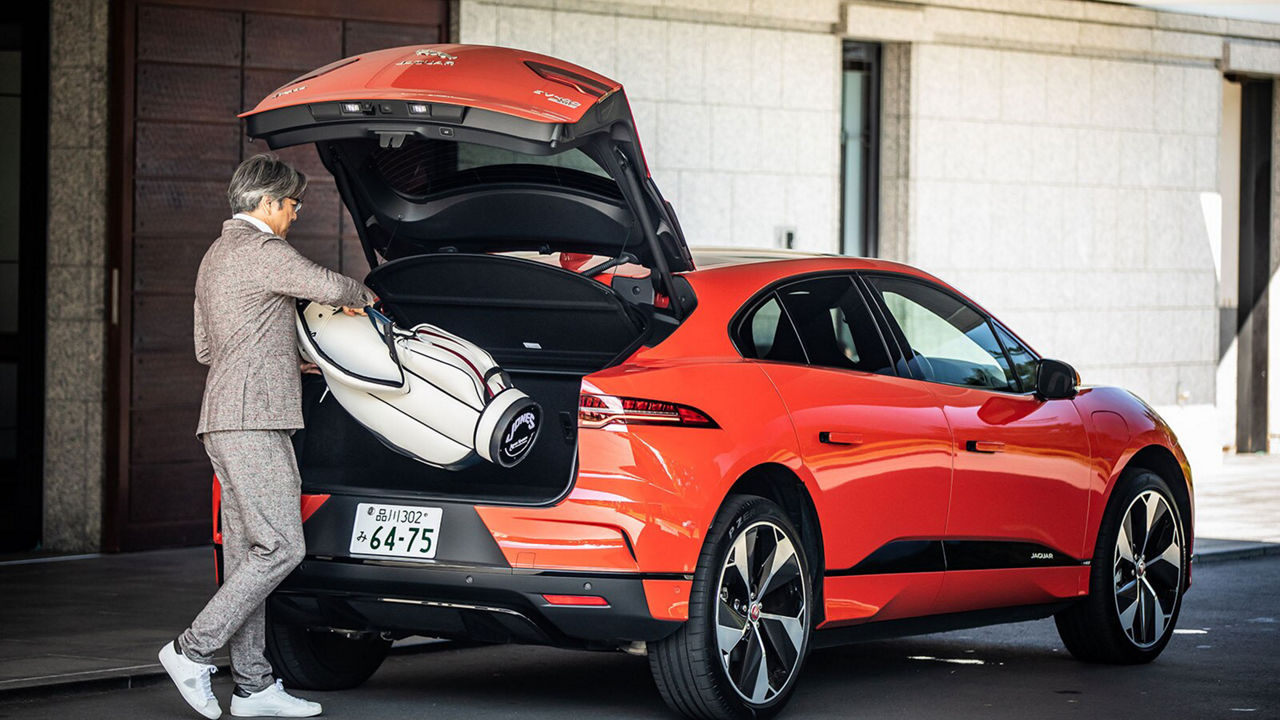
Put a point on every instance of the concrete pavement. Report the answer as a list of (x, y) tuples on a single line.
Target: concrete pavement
[(1221, 663), (1240, 500)]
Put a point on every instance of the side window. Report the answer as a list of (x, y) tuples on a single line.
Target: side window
[(767, 334), (835, 325), (1024, 363), (950, 342)]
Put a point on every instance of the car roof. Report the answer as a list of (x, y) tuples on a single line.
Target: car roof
[(727, 262), (732, 275), (504, 80)]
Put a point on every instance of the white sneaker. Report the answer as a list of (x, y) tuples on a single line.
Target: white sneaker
[(192, 679), (273, 702)]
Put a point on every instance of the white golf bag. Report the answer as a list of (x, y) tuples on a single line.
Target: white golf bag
[(424, 392)]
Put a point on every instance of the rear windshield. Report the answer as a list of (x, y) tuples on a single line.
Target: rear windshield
[(420, 168)]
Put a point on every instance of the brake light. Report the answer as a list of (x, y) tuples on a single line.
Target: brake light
[(599, 410), (576, 600), (581, 83)]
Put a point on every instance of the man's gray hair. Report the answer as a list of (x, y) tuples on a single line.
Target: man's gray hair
[(263, 176)]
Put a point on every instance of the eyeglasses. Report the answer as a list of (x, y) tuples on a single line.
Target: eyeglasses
[(297, 205)]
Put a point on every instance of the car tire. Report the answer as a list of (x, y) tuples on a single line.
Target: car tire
[(1138, 576), (695, 673), (322, 660)]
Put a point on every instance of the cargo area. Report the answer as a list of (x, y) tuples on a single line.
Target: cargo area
[(547, 327)]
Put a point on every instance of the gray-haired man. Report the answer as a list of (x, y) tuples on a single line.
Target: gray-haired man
[(244, 332)]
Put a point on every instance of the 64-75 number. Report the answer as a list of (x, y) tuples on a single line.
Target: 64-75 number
[(419, 539)]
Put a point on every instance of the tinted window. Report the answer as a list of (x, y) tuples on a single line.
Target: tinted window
[(767, 334), (950, 342), (835, 326), (420, 168), (1024, 363)]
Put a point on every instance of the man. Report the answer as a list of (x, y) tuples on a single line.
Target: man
[(244, 331)]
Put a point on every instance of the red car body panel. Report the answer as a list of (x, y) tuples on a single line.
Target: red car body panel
[(488, 78)]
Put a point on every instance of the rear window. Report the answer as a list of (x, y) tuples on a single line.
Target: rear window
[(422, 167)]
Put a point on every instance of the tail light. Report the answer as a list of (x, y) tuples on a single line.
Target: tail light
[(599, 410)]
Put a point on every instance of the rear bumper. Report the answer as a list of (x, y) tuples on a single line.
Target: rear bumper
[(477, 603)]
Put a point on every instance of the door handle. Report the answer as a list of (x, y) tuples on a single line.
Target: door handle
[(840, 438), (984, 446)]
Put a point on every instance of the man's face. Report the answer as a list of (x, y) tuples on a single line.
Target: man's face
[(279, 215)]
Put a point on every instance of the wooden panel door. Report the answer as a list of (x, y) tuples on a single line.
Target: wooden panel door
[(184, 70)]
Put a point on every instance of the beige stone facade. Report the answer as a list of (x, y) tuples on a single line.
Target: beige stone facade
[(75, 375), (1059, 160)]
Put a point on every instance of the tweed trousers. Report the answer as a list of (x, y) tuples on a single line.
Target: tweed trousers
[(262, 542)]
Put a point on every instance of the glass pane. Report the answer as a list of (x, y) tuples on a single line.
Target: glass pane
[(855, 160), (471, 156), (952, 343), (10, 72), (8, 410), (10, 153), (835, 325), (768, 335), (1024, 363), (423, 168), (8, 297)]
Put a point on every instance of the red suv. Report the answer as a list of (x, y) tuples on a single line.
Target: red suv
[(743, 453)]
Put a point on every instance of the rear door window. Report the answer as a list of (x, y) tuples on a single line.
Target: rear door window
[(767, 334), (948, 341), (834, 325)]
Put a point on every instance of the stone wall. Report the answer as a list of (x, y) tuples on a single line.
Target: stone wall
[(737, 103), (1065, 193), (76, 335), (1064, 171)]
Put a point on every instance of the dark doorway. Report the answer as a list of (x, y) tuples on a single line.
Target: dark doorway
[(1255, 263), (24, 82), (182, 71)]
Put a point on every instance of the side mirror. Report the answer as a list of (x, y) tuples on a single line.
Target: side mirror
[(1056, 380)]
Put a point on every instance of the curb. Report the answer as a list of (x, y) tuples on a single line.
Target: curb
[(1225, 551)]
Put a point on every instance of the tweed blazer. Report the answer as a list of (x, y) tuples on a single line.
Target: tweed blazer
[(244, 327)]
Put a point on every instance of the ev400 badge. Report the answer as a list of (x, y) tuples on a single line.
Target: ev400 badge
[(558, 99)]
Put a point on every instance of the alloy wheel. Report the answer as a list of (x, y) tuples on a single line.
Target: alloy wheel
[(1147, 568), (762, 612)]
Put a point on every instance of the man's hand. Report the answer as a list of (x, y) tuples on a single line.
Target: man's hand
[(309, 368), (353, 311)]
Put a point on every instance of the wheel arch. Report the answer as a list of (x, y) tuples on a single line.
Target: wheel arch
[(1161, 461), (781, 485)]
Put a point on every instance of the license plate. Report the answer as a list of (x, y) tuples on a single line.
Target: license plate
[(401, 531)]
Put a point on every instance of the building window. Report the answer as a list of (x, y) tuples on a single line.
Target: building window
[(860, 149)]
